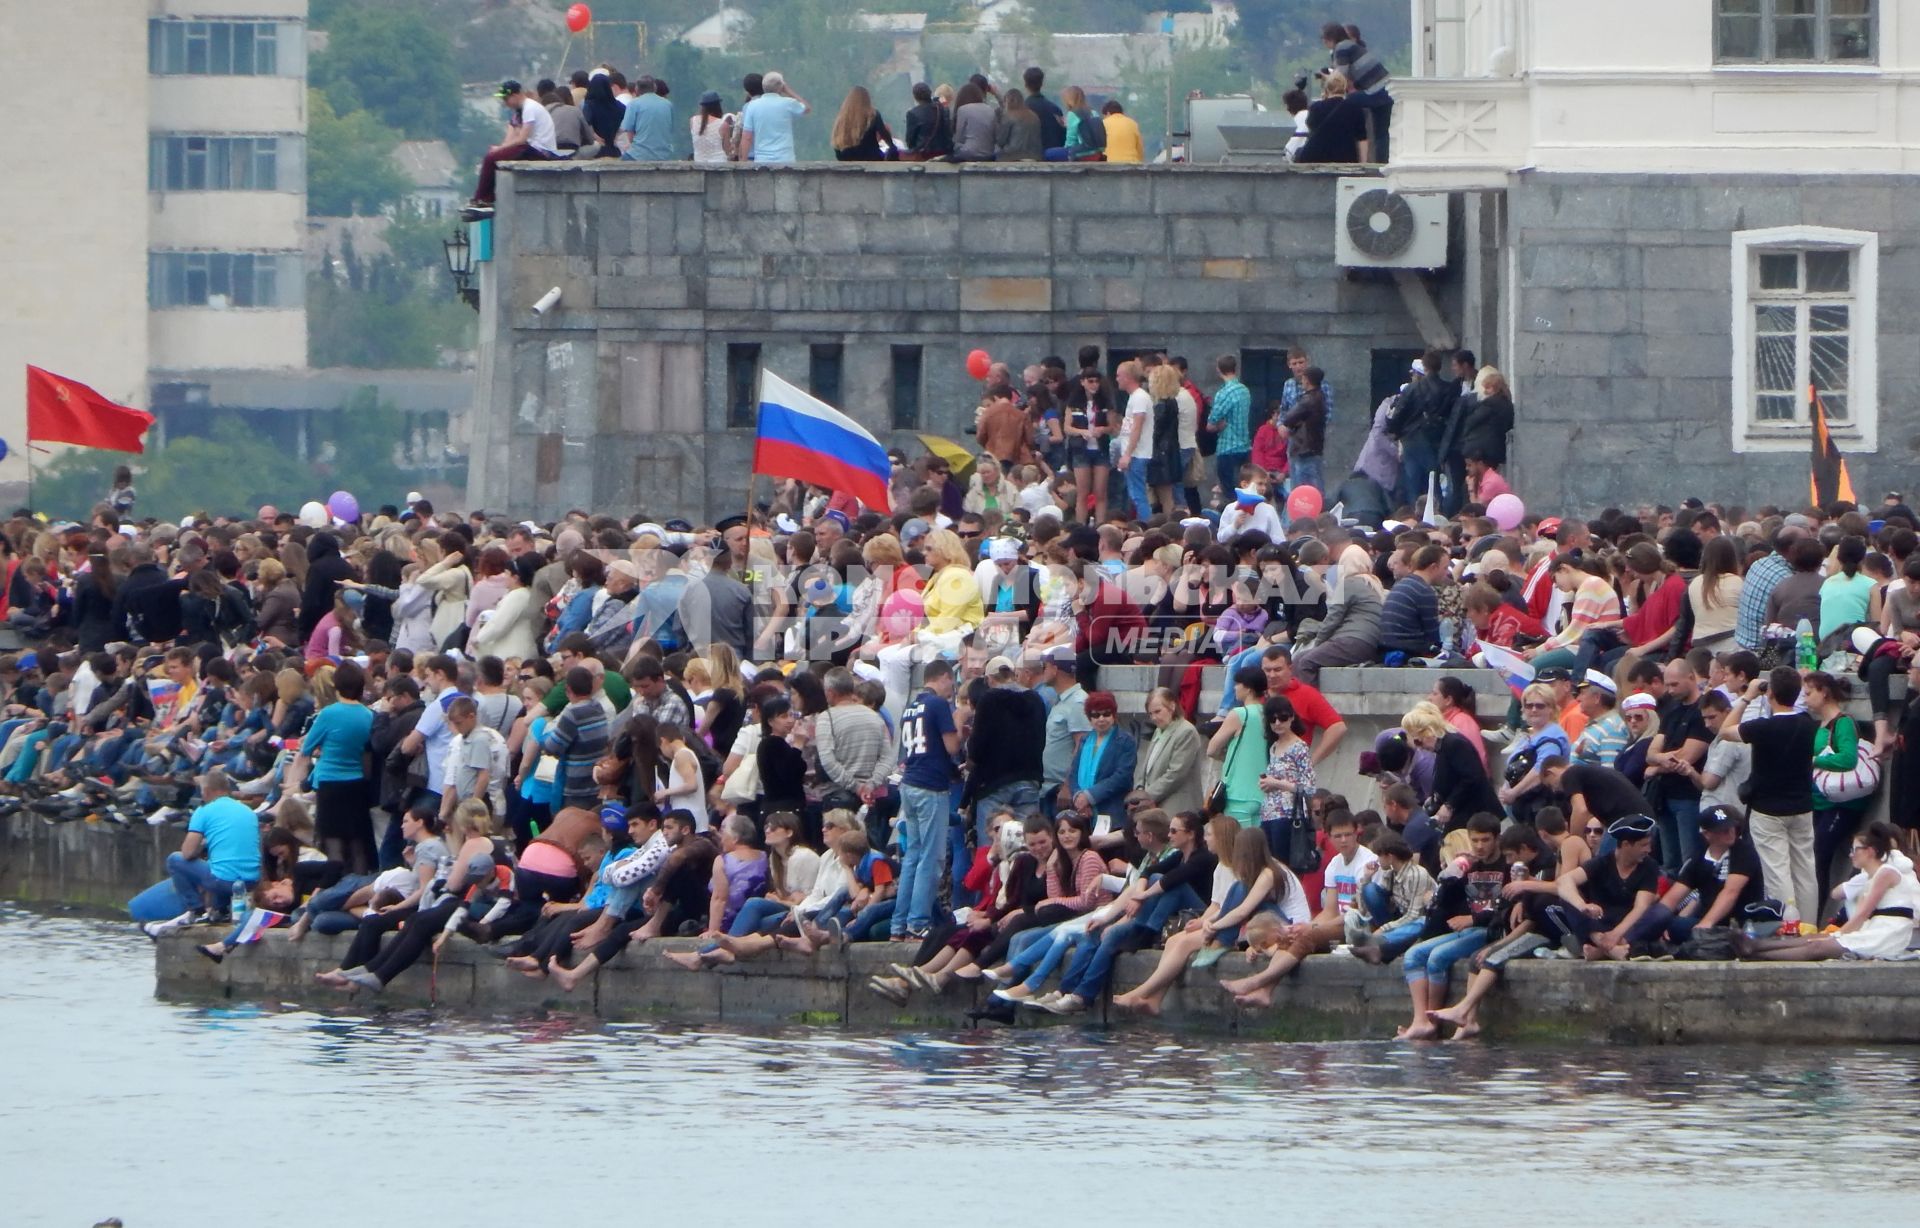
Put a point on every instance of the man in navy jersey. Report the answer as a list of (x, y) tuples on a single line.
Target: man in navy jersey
[(929, 750)]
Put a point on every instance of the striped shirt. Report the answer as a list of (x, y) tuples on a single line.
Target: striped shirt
[(1762, 578), (1594, 601), (1602, 741), (578, 738), (1232, 409)]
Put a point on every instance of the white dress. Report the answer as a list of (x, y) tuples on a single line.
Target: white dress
[(1879, 936), (709, 146)]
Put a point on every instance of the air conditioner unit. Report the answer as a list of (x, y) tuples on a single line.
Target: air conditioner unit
[(1377, 228)]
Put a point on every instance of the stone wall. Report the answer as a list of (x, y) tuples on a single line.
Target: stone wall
[(1622, 346), (618, 399), (81, 864), (1330, 998)]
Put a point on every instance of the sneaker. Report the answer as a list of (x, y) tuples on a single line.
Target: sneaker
[(1046, 1000), (162, 816), (919, 934), (1572, 946), (1064, 1004), (160, 929)]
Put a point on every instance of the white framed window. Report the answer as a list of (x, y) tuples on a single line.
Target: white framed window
[(1805, 317), (1795, 31)]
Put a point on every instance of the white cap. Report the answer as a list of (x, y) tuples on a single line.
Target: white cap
[(414, 496)]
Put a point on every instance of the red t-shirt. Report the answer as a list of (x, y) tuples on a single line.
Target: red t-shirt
[(1312, 708)]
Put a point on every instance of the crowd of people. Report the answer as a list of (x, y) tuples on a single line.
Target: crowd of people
[(827, 723), (601, 113)]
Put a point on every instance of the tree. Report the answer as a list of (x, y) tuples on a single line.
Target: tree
[(393, 61), (350, 168)]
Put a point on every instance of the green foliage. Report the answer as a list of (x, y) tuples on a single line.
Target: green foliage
[(350, 170), (391, 60), (234, 468), (396, 310)]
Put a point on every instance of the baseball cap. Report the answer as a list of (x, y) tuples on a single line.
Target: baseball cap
[(508, 88), (414, 496), (613, 817), (999, 667), (914, 530), (1717, 818), (1550, 527), (1061, 654)]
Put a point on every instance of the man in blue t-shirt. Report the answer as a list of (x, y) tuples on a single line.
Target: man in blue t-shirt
[(222, 847), (646, 131), (766, 123), (929, 750)]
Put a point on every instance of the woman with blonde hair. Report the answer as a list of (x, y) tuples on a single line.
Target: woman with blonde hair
[(1350, 633), (1461, 788), (1164, 470), (859, 134), (952, 606), (276, 604), (1248, 882), (470, 833)]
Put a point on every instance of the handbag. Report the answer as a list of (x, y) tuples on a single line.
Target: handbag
[(1291, 840), (1853, 784)]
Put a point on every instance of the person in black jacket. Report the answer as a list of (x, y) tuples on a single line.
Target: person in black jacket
[(1053, 121), (90, 608), (325, 569), (1488, 419), (1460, 785), (376, 614), (1004, 748), (1418, 421), (146, 609), (390, 728), (929, 127)]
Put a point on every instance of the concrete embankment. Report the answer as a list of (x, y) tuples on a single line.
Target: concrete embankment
[(80, 864), (1331, 998)]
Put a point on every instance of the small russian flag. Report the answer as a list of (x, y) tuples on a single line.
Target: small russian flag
[(258, 922), (1515, 670)]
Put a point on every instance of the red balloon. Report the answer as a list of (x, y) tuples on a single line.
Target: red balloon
[(1303, 503), (979, 363), (579, 17)]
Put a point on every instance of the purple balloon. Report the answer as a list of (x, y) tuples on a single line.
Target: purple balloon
[(343, 506)]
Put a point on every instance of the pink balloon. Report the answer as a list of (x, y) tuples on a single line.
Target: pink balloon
[(1506, 511), (1303, 503)]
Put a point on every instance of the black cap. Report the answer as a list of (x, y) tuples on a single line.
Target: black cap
[(729, 523), (1717, 818), (509, 88), (677, 526), (1553, 673), (1631, 827)]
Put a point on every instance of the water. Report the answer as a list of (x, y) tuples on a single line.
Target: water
[(115, 1103)]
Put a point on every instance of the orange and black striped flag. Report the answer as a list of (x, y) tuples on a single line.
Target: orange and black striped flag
[(1829, 480)]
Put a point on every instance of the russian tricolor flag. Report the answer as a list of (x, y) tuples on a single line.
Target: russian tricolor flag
[(803, 437), (1515, 670)]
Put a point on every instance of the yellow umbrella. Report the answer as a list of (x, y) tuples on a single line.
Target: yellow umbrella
[(959, 458)]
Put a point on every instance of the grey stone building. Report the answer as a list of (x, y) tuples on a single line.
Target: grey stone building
[(868, 284)]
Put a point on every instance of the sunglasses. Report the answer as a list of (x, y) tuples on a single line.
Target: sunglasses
[(1596, 830), (1536, 707), (967, 537)]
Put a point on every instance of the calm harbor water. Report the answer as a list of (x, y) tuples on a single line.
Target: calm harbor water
[(116, 1103)]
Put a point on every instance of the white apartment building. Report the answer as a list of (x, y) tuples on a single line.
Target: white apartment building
[(1677, 218), (163, 236)]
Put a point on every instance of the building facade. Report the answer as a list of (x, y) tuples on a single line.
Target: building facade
[(868, 284), (173, 245), (1692, 224)]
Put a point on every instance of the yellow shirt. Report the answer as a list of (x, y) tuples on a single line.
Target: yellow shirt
[(953, 600), (1123, 139)]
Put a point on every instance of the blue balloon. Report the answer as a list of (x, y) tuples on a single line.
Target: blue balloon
[(3, 449)]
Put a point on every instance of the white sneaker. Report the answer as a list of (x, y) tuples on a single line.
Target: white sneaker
[(163, 815), (159, 929), (1046, 1000)]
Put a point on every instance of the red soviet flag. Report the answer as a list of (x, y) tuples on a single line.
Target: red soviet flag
[(62, 411)]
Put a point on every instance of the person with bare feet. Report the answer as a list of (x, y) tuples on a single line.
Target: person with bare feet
[(1531, 889), (739, 874), (1881, 899), (675, 892), (561, 922), (1604, 900), (1465, 905), (863, 903), (1340, 896), (1005, 879), (1259, 883)]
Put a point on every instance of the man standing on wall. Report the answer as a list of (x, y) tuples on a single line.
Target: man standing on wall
[(766, 122)]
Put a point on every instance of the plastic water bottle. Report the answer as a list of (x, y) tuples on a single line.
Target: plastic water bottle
[(238, 907), (1790, 922), (1809, 652)]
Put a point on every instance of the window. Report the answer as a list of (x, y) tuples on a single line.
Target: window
[(1805, 304), (906, 387), (823, 372), (213, 164), (223, 279), (212, 48), (743, 386), (1794, 31)]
